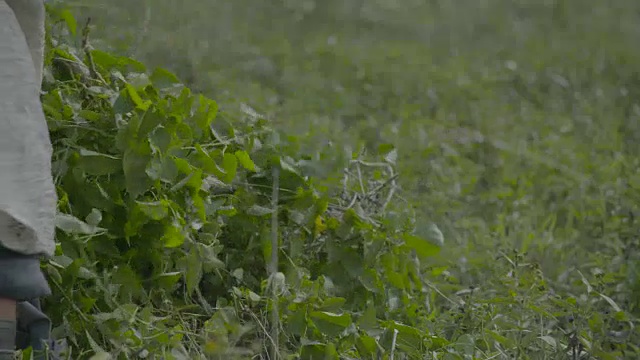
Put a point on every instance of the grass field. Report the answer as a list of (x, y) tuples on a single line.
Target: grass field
[(517, 126)]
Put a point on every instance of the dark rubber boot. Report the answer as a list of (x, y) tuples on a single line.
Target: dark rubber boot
[(38, 327)]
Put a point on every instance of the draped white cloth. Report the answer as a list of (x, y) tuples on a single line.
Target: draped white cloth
[(27, 193)]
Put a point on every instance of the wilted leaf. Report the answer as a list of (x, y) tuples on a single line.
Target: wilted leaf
[(257, 210), (72, 225)]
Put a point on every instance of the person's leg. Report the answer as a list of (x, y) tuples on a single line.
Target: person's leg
[(21, 279), (7, 328)]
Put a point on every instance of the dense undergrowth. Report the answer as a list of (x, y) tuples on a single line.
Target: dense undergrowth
[(166, 229)]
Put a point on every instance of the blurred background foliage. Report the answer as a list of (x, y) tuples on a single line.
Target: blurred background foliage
[(516, 122)]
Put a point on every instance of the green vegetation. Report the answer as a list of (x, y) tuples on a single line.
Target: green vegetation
[(452, 181)]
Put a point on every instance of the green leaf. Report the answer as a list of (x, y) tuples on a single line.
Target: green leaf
[(257, 210), (162, 78), (367, 346), (204, 161), (136, 179), (135, 97), (245, 160), (94, 163), (330, 324), (332, 304), (131, 285), (504, 341), (168, 280), (173, 236), (318, 351), (611, 303), (70, 20), (72, 225), (208, 111), (150, 121), (368, 320), (409, 338), (421, 246), (230, 164), (287, 164), (155, 210), (297, 322), (109, 61), (549, 340)]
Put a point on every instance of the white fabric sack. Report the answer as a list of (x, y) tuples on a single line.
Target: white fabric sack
[(27, 193)]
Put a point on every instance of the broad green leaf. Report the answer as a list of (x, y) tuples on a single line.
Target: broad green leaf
[(332, 304), (318, 351), (549, 340), (330, 352), (421, 246), (230, 164), (94, 163), (503, 340), (131, 286), (162, 78), (203, 160), (612, 303), (297, 322), (70, 20), (257, 210), (161, 139), (72, 225), (368, 320), (136, 178), (90, 115), (245, 160), (465, 344), (155, 210), (208, 110), (135, 97), (149, 122), (108, 61), (384, 149), (168, 280), (367, 346), (173, 236), (395, 278), (408, 338), (330, 324)]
